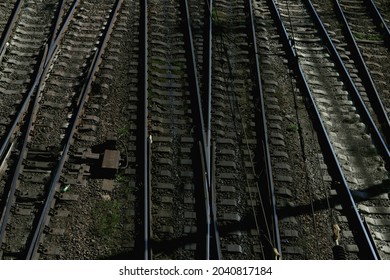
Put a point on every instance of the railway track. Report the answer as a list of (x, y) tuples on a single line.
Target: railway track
[(43, 151), (380, 12), (218, 130), (375, 99), (368, 35), (308, 55), (87, 173), (177, 153), (298, 173), (383, 9), (371, 44), (236, 110), (6, 25), (172, 195), (170, 126), (20, 53)]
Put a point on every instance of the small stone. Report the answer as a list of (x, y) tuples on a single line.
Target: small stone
[(108, 185)]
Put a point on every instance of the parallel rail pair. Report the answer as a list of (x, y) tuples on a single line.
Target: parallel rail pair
[(30, 108), (210, 244), (364, 240)]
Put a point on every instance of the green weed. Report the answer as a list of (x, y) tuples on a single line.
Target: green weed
[(292, 127)]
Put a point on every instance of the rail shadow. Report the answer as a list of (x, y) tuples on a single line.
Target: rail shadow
[(318, 205), (169, 246)]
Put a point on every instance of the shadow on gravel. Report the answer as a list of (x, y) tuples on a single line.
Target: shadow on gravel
[(129, 255), (318, 205), (169, 246)]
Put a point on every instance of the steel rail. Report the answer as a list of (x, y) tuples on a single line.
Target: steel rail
[(207, 50), (8, 28), (3, 44), (12, 189), (215, 247), (204, 196), (371, 90), (193, 77), (144, 141), (58, 16), (55, 39), (198, 120), (364, 242), (11, 131), (379, 21), (46, 59), (358, 101), (34, 243), (266, 183), (6, 140)]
